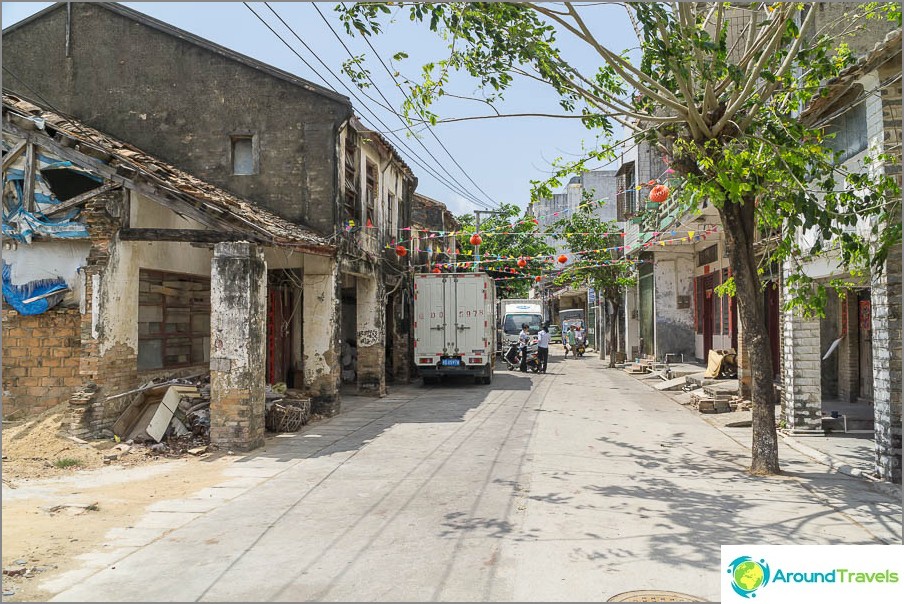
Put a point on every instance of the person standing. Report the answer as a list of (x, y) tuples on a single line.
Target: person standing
[(523, 342), (543, 347), (571, 342)]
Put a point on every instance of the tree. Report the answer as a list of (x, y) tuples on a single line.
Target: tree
[(717, 90), (507, 237), (593, 244)]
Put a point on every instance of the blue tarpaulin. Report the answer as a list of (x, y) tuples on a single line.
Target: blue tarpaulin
[(16, 295), (19, 223)]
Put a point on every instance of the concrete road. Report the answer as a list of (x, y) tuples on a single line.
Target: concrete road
[(579, 484)]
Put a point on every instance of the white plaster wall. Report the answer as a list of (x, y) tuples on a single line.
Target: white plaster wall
[(283, 258), (48, 260), (148, 214), (117, 315), (174, 257)]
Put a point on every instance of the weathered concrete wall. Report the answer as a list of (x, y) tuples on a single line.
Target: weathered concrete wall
[(238, 292), (672, 276), (41, 355), (184, 102), (321, 333), (371, 337)]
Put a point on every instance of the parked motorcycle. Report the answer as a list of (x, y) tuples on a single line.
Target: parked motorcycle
[(512, 357)]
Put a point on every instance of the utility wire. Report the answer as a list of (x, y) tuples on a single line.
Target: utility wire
[(413, 157), (404, 121)]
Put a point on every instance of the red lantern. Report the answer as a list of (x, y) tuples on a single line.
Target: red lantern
[(563, 259), (522, 262), (537, 222), (476, 239), (659, 193), (401, 251), (436, 269), (538, 278)]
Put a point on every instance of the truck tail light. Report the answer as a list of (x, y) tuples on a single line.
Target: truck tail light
[(475, 361), (426, 360)]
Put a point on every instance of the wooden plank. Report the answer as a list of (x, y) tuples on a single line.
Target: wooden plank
[(13, 154), (185, 235), (177, 203), (28, 203), (80, 199)]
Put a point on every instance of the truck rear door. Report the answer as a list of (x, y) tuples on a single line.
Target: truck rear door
[(431, 318), (468, 328)]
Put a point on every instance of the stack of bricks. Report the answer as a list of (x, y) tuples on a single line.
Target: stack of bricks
[(40, 360)]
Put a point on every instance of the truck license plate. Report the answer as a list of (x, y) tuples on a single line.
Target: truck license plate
[(451, 362)]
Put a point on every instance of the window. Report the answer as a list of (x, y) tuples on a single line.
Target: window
[(710, 254), (173, 320), (243, 155), (849, 129), (371, 193), (350, 201)]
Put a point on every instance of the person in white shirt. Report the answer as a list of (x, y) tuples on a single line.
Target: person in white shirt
[(543, 347)]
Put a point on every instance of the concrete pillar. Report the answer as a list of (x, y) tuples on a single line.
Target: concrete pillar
[(886, 322), (238, 318), (801, 378), (320, 338), (371, 337)]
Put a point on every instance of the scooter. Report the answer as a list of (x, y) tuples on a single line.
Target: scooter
[(512, 357), (579, 347)]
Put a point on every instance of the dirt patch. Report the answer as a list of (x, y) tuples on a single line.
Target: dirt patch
[(39, 449), (46, 542), (61, 497)]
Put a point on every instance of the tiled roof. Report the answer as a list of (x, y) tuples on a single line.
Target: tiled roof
[(257, 220)]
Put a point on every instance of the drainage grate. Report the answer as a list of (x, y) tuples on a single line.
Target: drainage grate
[(654, 595)]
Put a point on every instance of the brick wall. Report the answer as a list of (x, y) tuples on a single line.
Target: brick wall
[(801, 378), (106, 371), (40, 360), (887, 313)]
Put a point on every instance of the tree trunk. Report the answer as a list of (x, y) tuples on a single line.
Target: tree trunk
[(613, 337), (740, 225)]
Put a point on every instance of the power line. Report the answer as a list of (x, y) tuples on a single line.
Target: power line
[(413, 157), (404, 122)]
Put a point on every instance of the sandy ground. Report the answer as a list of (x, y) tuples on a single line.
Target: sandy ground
[(94, 496)]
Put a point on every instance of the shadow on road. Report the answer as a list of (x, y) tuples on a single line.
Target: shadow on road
[(364, 418)]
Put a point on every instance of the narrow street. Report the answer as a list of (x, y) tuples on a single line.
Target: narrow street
[(575, 485)]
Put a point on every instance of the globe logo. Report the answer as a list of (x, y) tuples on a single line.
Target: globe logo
[(748, 575)]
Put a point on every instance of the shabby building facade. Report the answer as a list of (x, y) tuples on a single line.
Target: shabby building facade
[(259, 134)]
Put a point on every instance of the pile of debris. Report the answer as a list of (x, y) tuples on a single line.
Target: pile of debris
[(171, 418)]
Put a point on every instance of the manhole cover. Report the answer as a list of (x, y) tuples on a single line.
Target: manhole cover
[(653, 595)]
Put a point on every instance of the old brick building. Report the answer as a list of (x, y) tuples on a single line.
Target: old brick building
[(850, 360), (261, 134)]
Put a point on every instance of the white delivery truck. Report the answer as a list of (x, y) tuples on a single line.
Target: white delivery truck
[(455, 325), (513, 313)]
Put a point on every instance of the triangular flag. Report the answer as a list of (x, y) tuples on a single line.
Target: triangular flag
[(690, 234)]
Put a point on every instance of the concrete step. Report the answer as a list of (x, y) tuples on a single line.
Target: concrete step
[(673, 384)]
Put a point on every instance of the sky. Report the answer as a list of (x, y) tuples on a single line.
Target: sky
[(501, 156)]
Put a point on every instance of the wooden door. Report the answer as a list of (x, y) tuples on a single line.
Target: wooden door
[(865, 330)]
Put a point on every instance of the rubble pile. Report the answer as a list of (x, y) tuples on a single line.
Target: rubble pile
[(168, 418)]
